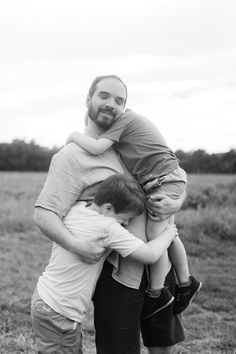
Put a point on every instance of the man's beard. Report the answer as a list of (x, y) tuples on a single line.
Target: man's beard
[(102, 123)]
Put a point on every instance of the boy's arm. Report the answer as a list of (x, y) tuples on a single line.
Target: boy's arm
[(94, 146), (52, 226), (150, 252)]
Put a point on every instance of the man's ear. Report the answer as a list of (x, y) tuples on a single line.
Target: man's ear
[(88, 100), (86, 117)]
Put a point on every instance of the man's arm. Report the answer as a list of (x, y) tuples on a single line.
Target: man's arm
[(52, 226), (163, 206)]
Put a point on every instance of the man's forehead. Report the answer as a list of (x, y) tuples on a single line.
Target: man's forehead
[(113, 86)]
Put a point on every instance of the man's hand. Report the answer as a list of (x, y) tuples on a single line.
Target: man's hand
[(90, 250), (163, 206)]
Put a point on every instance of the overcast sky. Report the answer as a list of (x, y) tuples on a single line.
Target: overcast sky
[(177, 57)]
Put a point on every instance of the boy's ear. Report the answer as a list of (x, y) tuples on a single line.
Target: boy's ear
[(106, 208)]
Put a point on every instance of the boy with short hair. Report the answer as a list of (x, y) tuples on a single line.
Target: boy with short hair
[(65, 288)]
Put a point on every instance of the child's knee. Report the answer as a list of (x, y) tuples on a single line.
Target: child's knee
[(154, 229)]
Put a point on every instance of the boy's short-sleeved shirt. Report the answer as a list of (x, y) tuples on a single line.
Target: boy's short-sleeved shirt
[(67, 285), (141, 146)]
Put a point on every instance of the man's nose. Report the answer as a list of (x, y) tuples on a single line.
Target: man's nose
[(110, 102)]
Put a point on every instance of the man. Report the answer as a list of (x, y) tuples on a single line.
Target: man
[(74, 174)]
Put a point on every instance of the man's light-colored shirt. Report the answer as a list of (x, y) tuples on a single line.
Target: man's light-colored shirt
[(72, 171), (67, 285), (74, 175)]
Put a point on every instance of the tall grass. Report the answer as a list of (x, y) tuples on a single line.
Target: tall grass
[(207, 226)]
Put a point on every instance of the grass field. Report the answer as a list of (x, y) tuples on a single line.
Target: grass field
[(207, 225)]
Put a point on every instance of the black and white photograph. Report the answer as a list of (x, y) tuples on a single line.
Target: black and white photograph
[(118, 177)]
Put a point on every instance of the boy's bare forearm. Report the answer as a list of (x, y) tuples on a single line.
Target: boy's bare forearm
[(150, 252), (90, 144)]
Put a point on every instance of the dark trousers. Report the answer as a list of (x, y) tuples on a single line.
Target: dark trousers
[(117, 315)]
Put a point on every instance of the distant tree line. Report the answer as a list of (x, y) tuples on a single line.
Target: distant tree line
[(22, 156), (200, 161)]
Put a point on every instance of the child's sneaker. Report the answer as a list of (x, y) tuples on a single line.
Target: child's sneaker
[(185, 294), (153, 304)]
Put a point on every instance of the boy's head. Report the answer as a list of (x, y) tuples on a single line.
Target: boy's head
[(121, 197)]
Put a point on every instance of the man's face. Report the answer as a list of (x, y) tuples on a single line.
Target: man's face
[(107, 102)]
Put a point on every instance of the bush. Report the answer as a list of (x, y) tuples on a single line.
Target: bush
[(211, 196), (211, 222)]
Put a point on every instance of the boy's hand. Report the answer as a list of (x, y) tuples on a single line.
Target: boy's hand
[(176, 230), (173, 229), (73, 138), (69, 139)]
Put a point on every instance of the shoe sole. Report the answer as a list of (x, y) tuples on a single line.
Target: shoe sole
[(199, 287), (163, 307)]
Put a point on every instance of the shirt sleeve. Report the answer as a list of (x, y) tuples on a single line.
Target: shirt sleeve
[(115, 131), (121, 240), (63, 185)]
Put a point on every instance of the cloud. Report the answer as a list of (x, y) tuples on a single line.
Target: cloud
[(187, 93), (178, 59), (231, 84), (165, 28), (43, 106)]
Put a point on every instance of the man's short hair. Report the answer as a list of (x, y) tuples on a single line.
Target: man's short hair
[(123, 192), (102, 77)]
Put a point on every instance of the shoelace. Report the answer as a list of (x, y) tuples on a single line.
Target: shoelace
[(177, 297)]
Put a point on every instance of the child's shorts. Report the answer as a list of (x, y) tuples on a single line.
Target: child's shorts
[(164, 329), (172, 184), (53, 332)]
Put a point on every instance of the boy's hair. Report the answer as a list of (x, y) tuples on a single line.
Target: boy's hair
[(123, 192), (100, 78)]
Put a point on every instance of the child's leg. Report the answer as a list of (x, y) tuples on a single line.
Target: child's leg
[(188, 286), (137, 226), (157, 270), (179, 259), (158, 296)]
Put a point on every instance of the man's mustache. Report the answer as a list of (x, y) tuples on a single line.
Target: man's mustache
[(108, 110)]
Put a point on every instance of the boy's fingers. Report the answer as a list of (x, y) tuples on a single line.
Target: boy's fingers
[(176, 231), (102, 236)]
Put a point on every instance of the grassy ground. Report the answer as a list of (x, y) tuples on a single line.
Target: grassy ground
[(207, 225)]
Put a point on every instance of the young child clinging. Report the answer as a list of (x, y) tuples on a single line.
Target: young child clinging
[(65, 288), (147, 157)]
